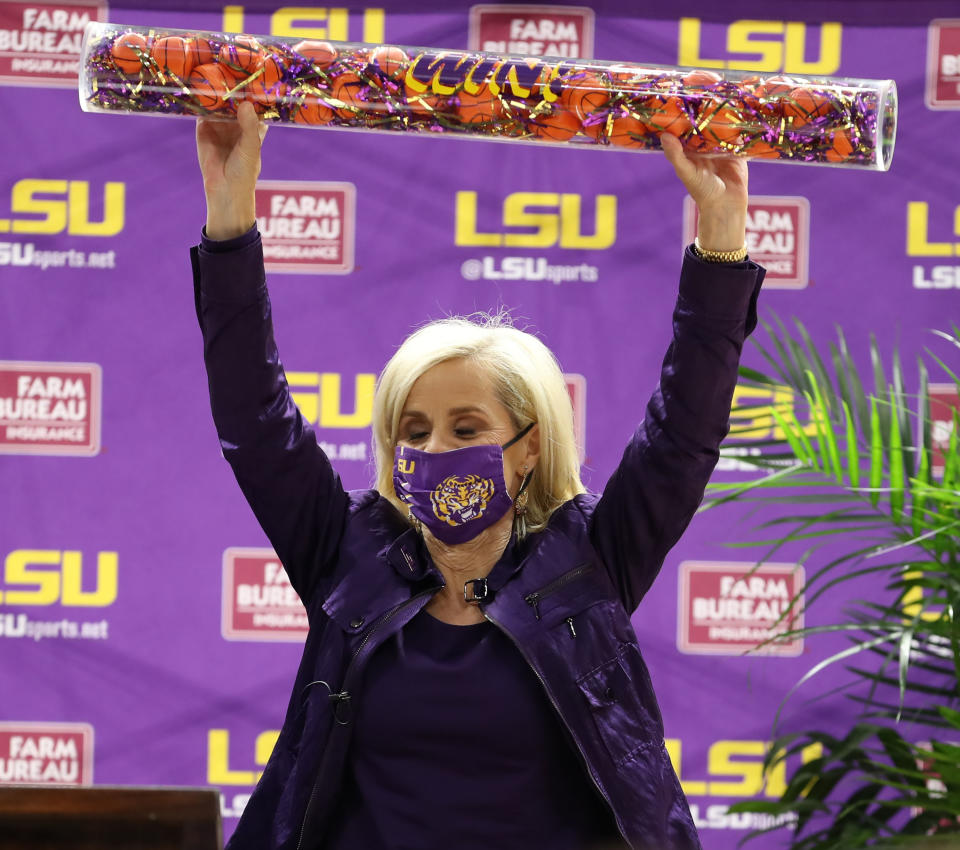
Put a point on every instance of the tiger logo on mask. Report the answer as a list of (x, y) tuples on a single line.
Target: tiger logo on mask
[(458, 500)]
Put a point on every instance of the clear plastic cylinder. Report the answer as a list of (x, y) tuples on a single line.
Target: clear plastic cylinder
[(468, 94)]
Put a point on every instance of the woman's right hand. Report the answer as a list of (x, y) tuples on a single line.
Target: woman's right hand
[(229, 155)]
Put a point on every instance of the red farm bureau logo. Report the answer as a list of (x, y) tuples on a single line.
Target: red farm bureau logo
[(40, 43), (730, 608), (944, 404), (50, 408), (943, 64), (259, 603), (46, 754), (577, 387), (307, 227), (532, 30), (778, 237)]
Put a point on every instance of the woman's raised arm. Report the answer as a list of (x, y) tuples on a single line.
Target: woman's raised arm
[(655, 490), (284, 474)]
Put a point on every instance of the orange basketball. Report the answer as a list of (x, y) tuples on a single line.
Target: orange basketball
[(594, 124), (700, 144), (321, 53), (422, 103), (722, 123), (313, 111), (775, 86), (625, 130), (701, 79), (628, 79), (209, 85), (201, 50), (266, 92), (767, 98), (273, 69), (804, 106), (351, 91), (585, 95), (262, 98), (128, 52), (390, 61), (842, 147), (557, 125), (761, 150), (243, 55), (592, 101), (668, 116), (479, 108), (174, 55)]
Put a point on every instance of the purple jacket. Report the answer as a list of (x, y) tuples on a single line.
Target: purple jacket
[(563, 597)]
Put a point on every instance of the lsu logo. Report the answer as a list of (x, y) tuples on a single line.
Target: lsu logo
[(219, 771), (319, 395), (49, 577), (943, 65), (933, 242), (554, 219), (334, 23), (776, 46), (735, 769), (459, 500), (63, 206), (752, 420), (406, 467), (919, 243)]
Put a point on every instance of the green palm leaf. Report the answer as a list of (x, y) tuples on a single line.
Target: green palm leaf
[(860, 477)]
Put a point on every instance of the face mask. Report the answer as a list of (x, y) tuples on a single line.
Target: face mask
[(456, 494)]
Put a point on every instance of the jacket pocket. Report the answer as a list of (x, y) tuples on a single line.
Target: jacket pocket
[(537, 597), (621, 701)]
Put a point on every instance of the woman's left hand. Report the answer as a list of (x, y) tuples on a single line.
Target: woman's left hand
[(718, 185)]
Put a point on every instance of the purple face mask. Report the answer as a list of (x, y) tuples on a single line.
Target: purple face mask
[(456, 494)]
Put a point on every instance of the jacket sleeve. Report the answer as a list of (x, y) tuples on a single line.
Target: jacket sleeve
[(659, 483), (284, 475)]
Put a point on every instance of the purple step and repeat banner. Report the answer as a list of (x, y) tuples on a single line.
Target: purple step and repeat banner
[(147, 633)]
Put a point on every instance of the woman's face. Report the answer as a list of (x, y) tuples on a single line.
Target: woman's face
[(453, 405)]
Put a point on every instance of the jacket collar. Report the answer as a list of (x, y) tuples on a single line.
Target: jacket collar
[(409, 556)]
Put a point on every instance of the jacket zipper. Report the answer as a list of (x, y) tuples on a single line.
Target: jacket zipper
[(534, 599), (556, 707), (345, 694)]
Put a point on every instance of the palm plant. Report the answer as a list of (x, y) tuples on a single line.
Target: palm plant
[(861, 478)]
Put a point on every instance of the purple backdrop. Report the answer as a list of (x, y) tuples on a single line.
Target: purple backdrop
[(146, 636)]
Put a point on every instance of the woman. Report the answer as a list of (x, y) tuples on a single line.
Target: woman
[(470, 678)]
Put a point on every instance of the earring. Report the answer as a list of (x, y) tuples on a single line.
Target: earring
[(520, 505)]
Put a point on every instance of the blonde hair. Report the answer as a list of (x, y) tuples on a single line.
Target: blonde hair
[(527, 381)]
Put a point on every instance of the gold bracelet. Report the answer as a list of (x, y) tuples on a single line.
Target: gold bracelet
[(737, 256)]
